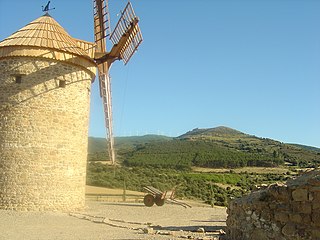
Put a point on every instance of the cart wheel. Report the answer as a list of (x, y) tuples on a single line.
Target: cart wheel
[(148, 200), (159, 201)]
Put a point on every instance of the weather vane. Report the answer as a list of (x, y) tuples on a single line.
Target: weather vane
[(47, 8)]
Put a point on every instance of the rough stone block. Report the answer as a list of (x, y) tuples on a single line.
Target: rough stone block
[(257, 224), (316, 234), (266, 215), (302, 207), (306, 219), (281, 217), (248, 212), (255, 216), (283, 207), (300, 195), (316, 196), (148, 230), (315, 205), (289, 230), (301, 233), (295, 217), (259, 234), (306, 207), (283, 194), (316, 218), (273, 205)]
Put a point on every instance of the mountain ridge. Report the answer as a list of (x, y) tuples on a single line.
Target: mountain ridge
[(216, 131), (209, 147), (196, 132)]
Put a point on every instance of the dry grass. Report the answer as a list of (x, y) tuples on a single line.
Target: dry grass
[(102, 190), (113, 195), (258, 170)]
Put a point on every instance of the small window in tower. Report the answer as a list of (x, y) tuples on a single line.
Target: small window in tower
[(62, 83), (18, 79)]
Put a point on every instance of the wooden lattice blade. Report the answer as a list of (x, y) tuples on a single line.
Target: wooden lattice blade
[(102, 28), (126, 36), (105, 90)]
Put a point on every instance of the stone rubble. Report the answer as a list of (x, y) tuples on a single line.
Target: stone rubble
[(288, 211)]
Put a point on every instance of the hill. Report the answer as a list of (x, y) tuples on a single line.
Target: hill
[(97, 146), (183, 163), (306, 147), (211, 147), (214, 132)]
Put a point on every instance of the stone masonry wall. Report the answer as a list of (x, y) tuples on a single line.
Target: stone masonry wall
[(43, 134), (279, 212)]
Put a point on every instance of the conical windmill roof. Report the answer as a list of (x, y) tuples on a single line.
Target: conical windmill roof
[(45, 32)]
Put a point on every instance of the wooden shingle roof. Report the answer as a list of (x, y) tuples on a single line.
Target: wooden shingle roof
[(45, 32)]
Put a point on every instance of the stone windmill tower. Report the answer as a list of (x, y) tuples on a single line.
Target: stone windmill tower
[(45, 82)]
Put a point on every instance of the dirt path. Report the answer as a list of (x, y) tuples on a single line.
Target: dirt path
[(106, 220)]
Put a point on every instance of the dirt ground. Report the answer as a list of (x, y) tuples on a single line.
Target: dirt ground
[(115, 220)]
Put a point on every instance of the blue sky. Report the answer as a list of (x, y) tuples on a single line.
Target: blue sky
[(252, 65)]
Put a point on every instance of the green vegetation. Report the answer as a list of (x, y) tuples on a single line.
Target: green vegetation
[(166, 163), (201, 186), (182, 154), (218, 147), (306, 147), (123, 145)]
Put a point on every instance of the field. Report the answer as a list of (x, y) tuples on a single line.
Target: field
[(211, 186), (257, 170), (113, 195)]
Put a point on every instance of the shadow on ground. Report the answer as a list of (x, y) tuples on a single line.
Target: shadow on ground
[(194, 228)]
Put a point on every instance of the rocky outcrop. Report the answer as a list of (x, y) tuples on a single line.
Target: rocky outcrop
[(280, 211)]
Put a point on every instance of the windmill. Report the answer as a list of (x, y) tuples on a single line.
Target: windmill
[(126, 37)]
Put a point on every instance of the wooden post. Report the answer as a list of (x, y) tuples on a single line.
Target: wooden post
[(124, 190)]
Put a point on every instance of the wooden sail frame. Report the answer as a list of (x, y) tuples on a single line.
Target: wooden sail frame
[(127, 35), (126, 38)]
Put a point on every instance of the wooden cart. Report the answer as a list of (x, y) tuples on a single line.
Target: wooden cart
[(155, 196)]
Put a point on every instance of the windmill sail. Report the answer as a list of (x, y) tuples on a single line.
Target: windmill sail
[(101, 32), (105, 81), (127, 33), (102, 28), (126, 38)]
